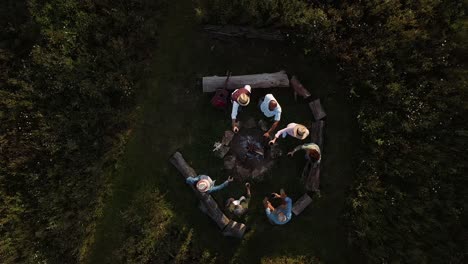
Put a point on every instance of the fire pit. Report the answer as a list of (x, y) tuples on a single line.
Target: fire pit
[(250, 156)]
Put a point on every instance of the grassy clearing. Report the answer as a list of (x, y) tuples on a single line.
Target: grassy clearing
[(175, 115)]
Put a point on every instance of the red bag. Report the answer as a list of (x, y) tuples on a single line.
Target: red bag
[(220, 99)]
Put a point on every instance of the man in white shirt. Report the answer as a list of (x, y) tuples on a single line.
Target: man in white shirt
[(270, 108), (240, 97)]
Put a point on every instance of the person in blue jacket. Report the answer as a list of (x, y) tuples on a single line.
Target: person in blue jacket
[(204, 183), (281, 214)]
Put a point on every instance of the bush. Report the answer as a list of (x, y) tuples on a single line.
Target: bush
[(69, 73)]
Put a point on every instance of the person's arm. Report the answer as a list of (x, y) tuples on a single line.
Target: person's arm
[(295, 150), (288, 206), (192, 180), (221, 186), (273, 127), (218, 187), (277, 135), (235, 108)]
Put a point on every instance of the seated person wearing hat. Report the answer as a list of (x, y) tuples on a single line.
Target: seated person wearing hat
[(312, 152), (281, 214), (240, 97), (205, 184), (239, 207), (295, 130), (270, 108)]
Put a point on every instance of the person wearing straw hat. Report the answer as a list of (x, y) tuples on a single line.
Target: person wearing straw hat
[(270, 108), (312, 152), (295, 130), (205, 184), (239, 207), (240, 97), (281, 214)]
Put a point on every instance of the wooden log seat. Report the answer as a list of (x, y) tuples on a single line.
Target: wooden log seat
[(262, 80), (301, 204), (207, 203)]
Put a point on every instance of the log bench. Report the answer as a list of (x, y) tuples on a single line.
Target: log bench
[(315, 105), (263, 80), (245, 32), (316, 133), (301, 204), (207, 204), (299, 88), (317, 109)]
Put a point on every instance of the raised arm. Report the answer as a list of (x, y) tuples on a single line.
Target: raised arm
[(221, 186), (291, 153)]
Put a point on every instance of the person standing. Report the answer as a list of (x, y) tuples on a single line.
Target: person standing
[(240, 97), (270, 108), (295, 130), (203, 183), (281, 214), (239, 207), (312, 152)]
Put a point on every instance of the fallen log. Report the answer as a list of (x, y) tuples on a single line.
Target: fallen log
[(263, 80), (317, 109), (207, 204), (312, 182), (316, 133), (245, 32), (299, 88), (301, 204)]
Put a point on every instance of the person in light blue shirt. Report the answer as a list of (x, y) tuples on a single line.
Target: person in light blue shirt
[(204, 183), (281, 214)]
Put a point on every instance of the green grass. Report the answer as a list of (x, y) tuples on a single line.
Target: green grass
[(175, 115)]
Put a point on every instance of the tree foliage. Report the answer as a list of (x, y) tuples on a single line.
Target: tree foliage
[(69, 72), (403, 62)]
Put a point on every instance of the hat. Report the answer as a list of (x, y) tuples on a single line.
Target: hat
[(243, 99), (282, 217), (204, 185), (300, 132)]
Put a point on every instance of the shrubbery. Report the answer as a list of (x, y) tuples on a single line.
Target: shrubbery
[(154, 235), (403, 63), (69, 72)]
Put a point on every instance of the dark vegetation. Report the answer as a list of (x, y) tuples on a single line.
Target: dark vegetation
[(404, 62), (69, 75)]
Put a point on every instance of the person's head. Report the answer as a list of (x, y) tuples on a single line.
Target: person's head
[(301, 132), (238, 210), (282, 217), (314, 155), (272, 105), (277, 201), (243, 99), (203, 185)]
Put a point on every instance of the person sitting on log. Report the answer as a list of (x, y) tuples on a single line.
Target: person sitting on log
[(240, 97), (270, 108), (295, 130), (281, 214), (312, 152), (239, 207), (205, 184)]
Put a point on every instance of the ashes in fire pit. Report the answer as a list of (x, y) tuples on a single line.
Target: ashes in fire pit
[(250, 156)]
